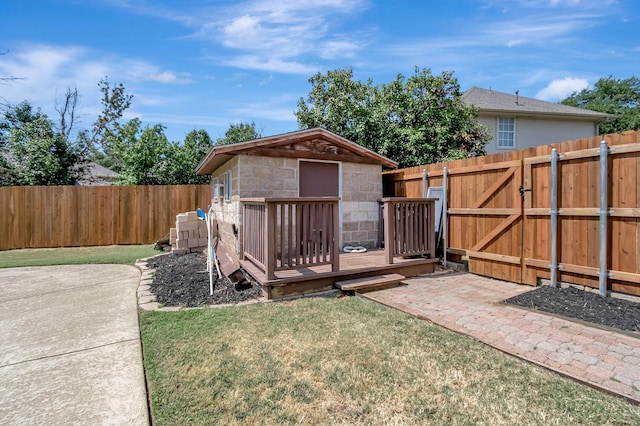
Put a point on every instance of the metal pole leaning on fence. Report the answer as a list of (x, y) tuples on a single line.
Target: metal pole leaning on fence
[(424, 183), (604, 213), (553, 240), (445, 207)]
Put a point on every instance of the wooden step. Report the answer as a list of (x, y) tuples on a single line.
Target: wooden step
[(377, 282)]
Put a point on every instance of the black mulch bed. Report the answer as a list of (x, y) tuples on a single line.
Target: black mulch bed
[(582, 305), (184, 281)]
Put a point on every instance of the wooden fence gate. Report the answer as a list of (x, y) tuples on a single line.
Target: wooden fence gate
[(499, 211), (485, 201)]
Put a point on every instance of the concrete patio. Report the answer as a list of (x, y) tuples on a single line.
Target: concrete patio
[(70, 346)]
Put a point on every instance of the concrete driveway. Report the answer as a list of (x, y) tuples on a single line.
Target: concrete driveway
[(70, 350)]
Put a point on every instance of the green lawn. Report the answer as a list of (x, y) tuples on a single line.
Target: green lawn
[(348, 361), (75, 255)]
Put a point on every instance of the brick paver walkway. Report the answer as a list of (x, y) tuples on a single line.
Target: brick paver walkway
[(469, 304)]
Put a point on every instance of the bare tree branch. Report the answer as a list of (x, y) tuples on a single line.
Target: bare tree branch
[(5, 80), (67, 111)]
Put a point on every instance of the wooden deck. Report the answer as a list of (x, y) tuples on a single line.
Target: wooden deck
[(291, 246), (300, 281)]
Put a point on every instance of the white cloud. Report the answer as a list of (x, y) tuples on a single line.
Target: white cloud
[(271, 64), (278, 108), (339, 49), (243, 33), (568, 2), (141, 71), (170, 77), (266, 81), (533, 76), (276, 34), (46, 71), (542, 4), (536, 30), (560, 89)]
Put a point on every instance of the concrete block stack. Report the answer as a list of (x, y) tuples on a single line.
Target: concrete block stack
[(189, 235)]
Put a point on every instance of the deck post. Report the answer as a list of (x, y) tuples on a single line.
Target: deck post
[(431, 229), (445, 217), (269, 242), (389, 231), (335, 244)]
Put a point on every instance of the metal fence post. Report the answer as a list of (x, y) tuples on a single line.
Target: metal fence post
[(553, 241), (445, 207), (604, 212)]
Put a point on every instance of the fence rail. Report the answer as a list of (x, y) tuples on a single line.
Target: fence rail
[(500, 211), (71, 216)]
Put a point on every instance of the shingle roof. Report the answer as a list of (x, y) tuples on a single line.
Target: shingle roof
[(95, 174), (494, 101), (218, 155)]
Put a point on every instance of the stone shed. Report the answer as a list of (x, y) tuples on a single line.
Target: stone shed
[(305, 163)]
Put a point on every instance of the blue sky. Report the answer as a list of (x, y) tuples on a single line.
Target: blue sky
[(207, 64)]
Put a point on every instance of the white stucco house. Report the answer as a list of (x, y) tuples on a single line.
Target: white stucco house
[(518, 122)]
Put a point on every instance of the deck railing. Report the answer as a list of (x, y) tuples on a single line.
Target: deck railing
[(284, 234), (409, 227)]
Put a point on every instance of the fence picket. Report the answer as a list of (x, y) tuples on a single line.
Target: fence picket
[(472, 181), (68, 216)]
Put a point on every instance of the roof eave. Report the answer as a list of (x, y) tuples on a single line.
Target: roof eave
[(592, 117), (219, 155), (211, 162)]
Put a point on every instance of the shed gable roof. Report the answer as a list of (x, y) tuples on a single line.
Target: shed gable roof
[(314, 143), (499, 102)]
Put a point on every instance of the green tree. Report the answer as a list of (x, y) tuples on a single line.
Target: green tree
[(417, 120), (620, 97), (114, 103), (182, 160), (141, 153), (33, 152), (339, 104), (240, 132)]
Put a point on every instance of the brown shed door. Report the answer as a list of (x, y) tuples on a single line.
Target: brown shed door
[(318, 179)]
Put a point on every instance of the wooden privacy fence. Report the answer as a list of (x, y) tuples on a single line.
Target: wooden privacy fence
[(71, 216), (500, 214)]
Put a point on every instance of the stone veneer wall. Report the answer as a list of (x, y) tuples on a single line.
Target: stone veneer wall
[(227, 213), (361, 190), (268, 177)]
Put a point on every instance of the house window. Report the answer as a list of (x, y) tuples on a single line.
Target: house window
[(216, 190), (506, 132), (227, 186)]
